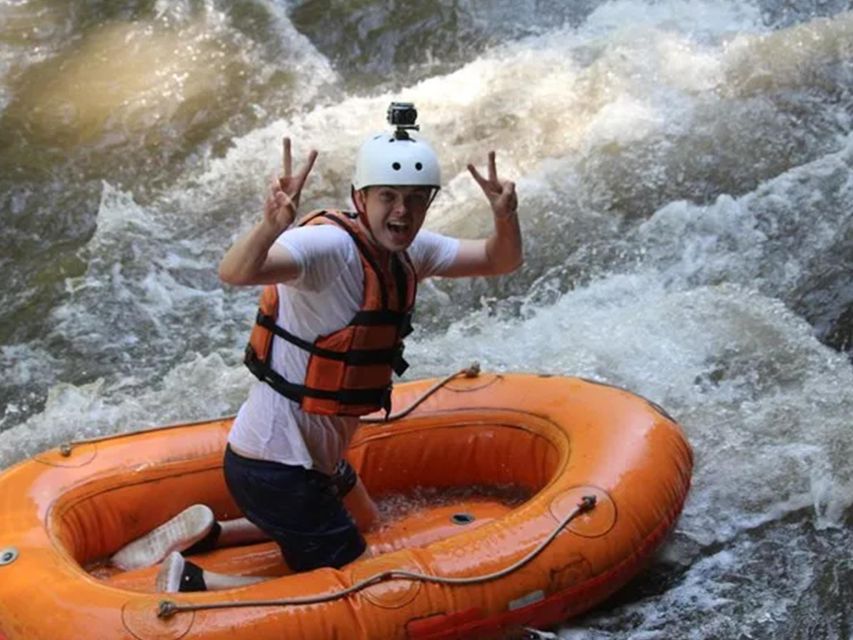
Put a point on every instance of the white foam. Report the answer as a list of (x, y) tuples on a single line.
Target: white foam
[(773, 238), (201, 387), (739, 370), (625, 82), (711, 20)]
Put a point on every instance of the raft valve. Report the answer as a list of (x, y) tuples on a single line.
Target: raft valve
[(8, 555)]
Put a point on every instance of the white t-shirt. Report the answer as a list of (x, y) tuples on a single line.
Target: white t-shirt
[(322, 299)]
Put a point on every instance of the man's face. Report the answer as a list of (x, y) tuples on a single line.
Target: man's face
[(394, 214)]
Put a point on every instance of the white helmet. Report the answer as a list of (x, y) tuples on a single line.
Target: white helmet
[(386, 159)]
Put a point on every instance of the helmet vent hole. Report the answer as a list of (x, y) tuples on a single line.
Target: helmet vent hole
[(396, 166), (418, 166)]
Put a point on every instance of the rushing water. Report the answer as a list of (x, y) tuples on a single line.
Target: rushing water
[(685, 171)]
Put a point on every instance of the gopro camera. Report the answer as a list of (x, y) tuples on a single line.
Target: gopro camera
[(402, 115)]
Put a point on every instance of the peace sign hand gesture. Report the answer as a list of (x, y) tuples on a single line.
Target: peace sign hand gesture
[(283, 197), (500, 193)]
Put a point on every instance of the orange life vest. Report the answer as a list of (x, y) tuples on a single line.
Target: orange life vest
[(349, 370)]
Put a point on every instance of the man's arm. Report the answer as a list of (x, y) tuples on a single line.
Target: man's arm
[(255, 258), (502, 251)]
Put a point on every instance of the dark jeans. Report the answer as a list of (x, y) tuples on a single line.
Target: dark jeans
[(299, 508)]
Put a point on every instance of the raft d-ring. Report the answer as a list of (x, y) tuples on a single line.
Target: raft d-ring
[(8, 555), (141, 618), (597, 510)]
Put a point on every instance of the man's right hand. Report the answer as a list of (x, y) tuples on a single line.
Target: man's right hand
[(254, 258), (283, 197)]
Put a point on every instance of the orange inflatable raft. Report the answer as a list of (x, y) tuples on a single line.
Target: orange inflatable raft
[(603, 475)]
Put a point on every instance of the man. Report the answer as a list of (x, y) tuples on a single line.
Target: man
[(341, 288)]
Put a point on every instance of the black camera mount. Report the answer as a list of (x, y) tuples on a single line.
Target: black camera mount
[(403, 115)]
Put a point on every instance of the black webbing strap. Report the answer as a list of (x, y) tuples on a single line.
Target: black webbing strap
[(297, 392), (407, 327), (399, 365), (354, 356), (372, 318), (399, 274)]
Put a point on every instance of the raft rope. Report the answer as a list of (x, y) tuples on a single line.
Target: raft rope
[(167, 608), (66, 448), (469, 372)]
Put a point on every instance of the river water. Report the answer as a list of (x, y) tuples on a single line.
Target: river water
[(685, 171)]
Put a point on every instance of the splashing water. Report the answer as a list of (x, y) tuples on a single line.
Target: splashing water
[(684, 172)]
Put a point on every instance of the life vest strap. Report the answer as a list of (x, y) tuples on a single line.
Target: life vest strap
[(353, 356), (296, 392), (367, 351), (385, 316)]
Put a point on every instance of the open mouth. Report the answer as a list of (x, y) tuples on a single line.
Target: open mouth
[(399, 227)]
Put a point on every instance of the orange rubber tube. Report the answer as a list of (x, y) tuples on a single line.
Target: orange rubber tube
[(558, 438)]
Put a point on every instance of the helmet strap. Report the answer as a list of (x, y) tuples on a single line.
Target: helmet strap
[(432, 196), (362, 214)]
